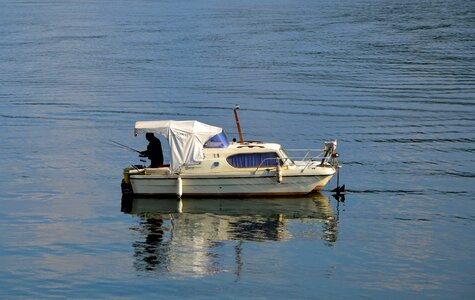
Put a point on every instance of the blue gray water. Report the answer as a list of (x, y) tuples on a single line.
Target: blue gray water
[(393, 81)]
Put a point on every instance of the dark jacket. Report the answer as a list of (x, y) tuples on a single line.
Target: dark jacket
[(154, 152)]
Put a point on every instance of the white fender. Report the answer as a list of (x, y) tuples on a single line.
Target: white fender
[(279, 173), (179, 187)]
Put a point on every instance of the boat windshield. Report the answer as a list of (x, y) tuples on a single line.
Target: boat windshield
[(218, 141), (286, 158)]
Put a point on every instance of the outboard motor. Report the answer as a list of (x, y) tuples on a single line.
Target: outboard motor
[(330, 152)]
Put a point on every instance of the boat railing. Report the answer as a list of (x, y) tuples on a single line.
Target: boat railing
[(276, 159), (324, 156), (310, 154)]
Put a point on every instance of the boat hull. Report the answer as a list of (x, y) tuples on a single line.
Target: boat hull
[(197, 186)]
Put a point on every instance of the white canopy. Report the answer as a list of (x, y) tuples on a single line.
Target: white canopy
[(186, 138)]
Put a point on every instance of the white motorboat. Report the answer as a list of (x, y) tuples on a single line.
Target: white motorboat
[(204, 163)]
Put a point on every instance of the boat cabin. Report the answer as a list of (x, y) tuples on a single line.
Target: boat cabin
[(221, 155)]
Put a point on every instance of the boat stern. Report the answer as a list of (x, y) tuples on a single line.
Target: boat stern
[(126, 184)]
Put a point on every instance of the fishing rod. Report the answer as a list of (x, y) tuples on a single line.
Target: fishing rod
[(125, 146)]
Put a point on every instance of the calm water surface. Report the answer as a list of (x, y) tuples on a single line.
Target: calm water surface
[(393, 81)]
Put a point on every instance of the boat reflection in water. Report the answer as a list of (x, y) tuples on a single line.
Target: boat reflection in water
[(195, 237)]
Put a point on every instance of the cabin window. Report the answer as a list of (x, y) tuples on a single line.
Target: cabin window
[(218, 141), (253, 160)]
